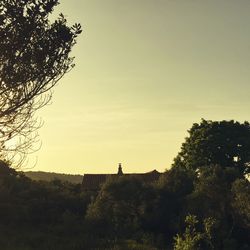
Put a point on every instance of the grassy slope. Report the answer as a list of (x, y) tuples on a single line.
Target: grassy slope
[(47, 176)]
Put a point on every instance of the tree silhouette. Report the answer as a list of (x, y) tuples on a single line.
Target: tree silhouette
[(34, 55), (225, 143)]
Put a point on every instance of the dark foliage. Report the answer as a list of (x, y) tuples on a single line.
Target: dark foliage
[(186, 209), (226, 143)]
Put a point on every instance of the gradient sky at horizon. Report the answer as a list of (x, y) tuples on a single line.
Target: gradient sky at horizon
[(146, 70)]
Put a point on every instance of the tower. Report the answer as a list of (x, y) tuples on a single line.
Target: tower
[(120, 169)]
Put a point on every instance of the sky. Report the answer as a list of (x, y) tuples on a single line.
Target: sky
[(146, 70)]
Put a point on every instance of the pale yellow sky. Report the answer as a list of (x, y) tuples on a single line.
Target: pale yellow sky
[(146, 70)]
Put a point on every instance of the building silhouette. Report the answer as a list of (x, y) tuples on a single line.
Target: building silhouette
[(93, 182)]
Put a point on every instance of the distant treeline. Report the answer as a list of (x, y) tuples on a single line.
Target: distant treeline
[(48, 176)]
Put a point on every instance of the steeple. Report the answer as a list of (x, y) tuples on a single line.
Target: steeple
[(120, 169)]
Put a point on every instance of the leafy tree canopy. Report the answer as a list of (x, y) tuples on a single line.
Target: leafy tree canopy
[(192, 239), (225, 143), (122, 202)]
